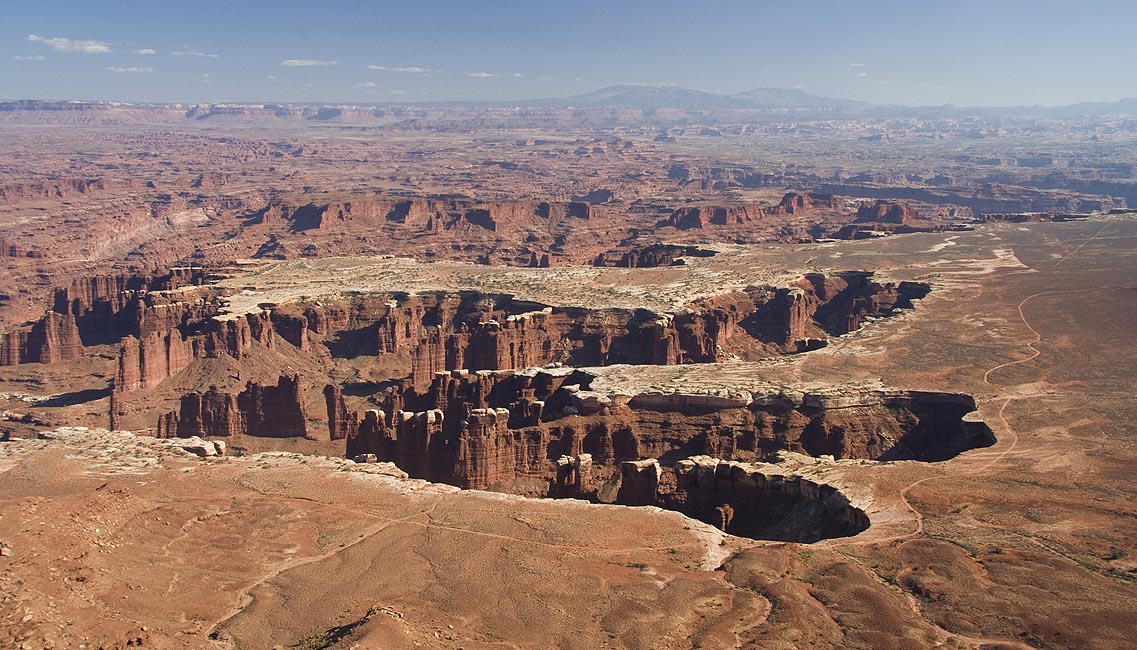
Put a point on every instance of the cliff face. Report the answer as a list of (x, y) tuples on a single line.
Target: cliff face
[(148, 361), (104, 309), (52, 338), (426, 215), (744, 500), (487, 429), (650, 256), (796, 203), (109, 307), (846, 299), (442, 332), (884, 211), (703, 216), (210, 414), (340, 421), (274, 411), (270, 411)]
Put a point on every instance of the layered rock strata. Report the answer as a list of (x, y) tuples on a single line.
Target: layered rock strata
[(484, 332), (495, 429), (52, 338), (744, 499), (147, 361), (270, 411)]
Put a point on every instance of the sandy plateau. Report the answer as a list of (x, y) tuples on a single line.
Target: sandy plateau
[(602, 388)]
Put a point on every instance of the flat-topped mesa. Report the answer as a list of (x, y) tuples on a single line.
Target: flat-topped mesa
[(650, 256), (702, 216), (501, 429), (799, 202), (438, 332), (267, 411), (886, 211), (441, 332), (423, 214), (887, 216)]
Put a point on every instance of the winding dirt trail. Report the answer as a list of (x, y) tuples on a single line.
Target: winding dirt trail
[(245, 597), (992, 459), (1007, 399)]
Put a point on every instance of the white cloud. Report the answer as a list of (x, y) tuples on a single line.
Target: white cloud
[(398, 92), (543, 78), (862, 74), (130, 69), (145, 50), (273, 77), (856, 65), (491, 75), (367, 84), (304, 63), (187, 52), (68, 45), (414, 69), (36, 57)]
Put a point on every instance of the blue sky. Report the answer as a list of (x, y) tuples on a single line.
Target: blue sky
[(997, 52)]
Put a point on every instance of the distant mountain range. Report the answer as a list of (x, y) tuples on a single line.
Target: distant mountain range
[(663, 97), (773, 101)]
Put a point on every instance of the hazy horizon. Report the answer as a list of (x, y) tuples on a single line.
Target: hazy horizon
[(965, 53)]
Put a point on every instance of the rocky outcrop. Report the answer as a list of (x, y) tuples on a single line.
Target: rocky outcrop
[(692, 453), (650, 256), (797, 203), (274, 411), (341, 422), (696, 217), (639, 482), (886, 211), (494, 428), (210, 414), (291, 326), (107, 308), (58, 189), (442, 332), (16, 249), (52, 338), (705, 216), (426, 215), (147, 361), (268, 411)]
